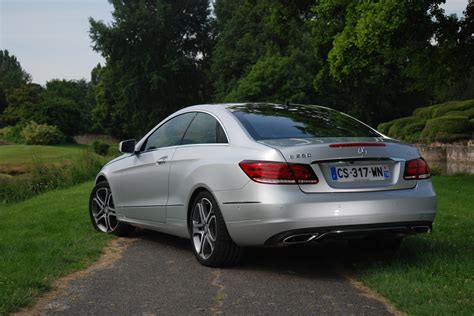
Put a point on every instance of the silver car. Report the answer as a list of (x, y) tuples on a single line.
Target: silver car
[(229, 176)]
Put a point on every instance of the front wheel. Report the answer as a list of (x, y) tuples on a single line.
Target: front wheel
[(210, 240), (102, 212)]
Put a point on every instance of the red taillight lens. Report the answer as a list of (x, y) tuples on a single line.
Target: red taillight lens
[(278, 172), (304, 174), (416, 169)]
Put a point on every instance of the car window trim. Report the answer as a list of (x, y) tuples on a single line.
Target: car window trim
[(158, 127), (180, 145)]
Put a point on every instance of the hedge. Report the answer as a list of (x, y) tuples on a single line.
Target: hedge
[(446, 122), (447, 128)]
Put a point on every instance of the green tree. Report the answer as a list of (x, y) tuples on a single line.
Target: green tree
[(156, 53), (377, 58), (23, 103), (61, 112), (12, 76), (252, 37), (457, 51), (275, 78), (64, 103), (70, 101)]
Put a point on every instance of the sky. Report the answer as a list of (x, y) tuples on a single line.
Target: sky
[(51, 40)]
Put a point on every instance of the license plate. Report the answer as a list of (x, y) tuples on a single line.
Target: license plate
[(358, 173)]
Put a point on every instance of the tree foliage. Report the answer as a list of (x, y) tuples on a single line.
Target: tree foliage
[(275, 78), (22, 104), (155, 53), (252, 38), (63, 103), (377, 54), (68, 105), (12, 76), (375, 59)]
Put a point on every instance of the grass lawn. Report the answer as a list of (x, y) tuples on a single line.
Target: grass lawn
[(21, 158), (432, 274), (42, 239), (50, 235)]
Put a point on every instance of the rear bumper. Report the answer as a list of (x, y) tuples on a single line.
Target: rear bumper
[(350, 232), (264, 214)]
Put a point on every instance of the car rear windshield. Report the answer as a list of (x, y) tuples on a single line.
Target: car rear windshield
[(265, 121)]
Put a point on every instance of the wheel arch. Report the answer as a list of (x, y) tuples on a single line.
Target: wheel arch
[(198, 189), (100, 178)]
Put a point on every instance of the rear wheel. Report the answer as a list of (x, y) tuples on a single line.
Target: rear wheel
[(210, 240), (102, 212)]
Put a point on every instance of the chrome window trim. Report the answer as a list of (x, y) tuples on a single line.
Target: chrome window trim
[(193, 111), (179, 146), (145, 140)]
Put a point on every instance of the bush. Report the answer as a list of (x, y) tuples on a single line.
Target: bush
[(100, 148), (454, 113), (456, 123), (469, 113), (447, 129), (11, 133), (47, 177), (396, 130), (412, 131), (41, 134), (384, 127), (424, 112), (444, 108), (412, 128)]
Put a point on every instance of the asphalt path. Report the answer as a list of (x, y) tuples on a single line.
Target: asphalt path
[(157, 274)]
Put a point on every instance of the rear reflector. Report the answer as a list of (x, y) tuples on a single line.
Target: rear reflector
[(273, 172), (416, 169), (340, 145)]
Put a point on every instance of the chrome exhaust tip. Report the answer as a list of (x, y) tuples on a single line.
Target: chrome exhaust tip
[(299, 238)]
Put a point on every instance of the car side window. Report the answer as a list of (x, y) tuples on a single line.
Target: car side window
[(170, 133), (204, 129)]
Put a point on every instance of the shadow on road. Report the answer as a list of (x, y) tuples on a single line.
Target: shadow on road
[(312, 259)]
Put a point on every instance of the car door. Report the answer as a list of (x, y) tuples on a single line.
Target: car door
[(204, 140), (144, 183)]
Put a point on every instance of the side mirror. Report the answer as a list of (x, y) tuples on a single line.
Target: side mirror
[(127, 146)]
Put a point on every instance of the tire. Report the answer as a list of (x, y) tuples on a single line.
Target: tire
[(210, 240), (102, 212)]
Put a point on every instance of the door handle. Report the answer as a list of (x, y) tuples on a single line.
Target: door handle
[(162, 160)]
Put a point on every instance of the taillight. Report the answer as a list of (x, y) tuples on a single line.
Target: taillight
[(416, 169), (279, 172)]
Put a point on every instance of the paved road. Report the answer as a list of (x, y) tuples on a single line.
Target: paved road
[(158, 274)]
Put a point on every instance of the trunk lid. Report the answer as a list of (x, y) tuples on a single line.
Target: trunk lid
[(378, 163)]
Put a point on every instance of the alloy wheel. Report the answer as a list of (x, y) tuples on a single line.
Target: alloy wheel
[(103, 210), (204, 228)]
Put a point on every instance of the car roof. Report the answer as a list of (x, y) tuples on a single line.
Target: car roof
[(243, 105)]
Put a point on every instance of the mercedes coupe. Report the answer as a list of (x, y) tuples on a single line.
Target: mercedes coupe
[(229, 176)]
